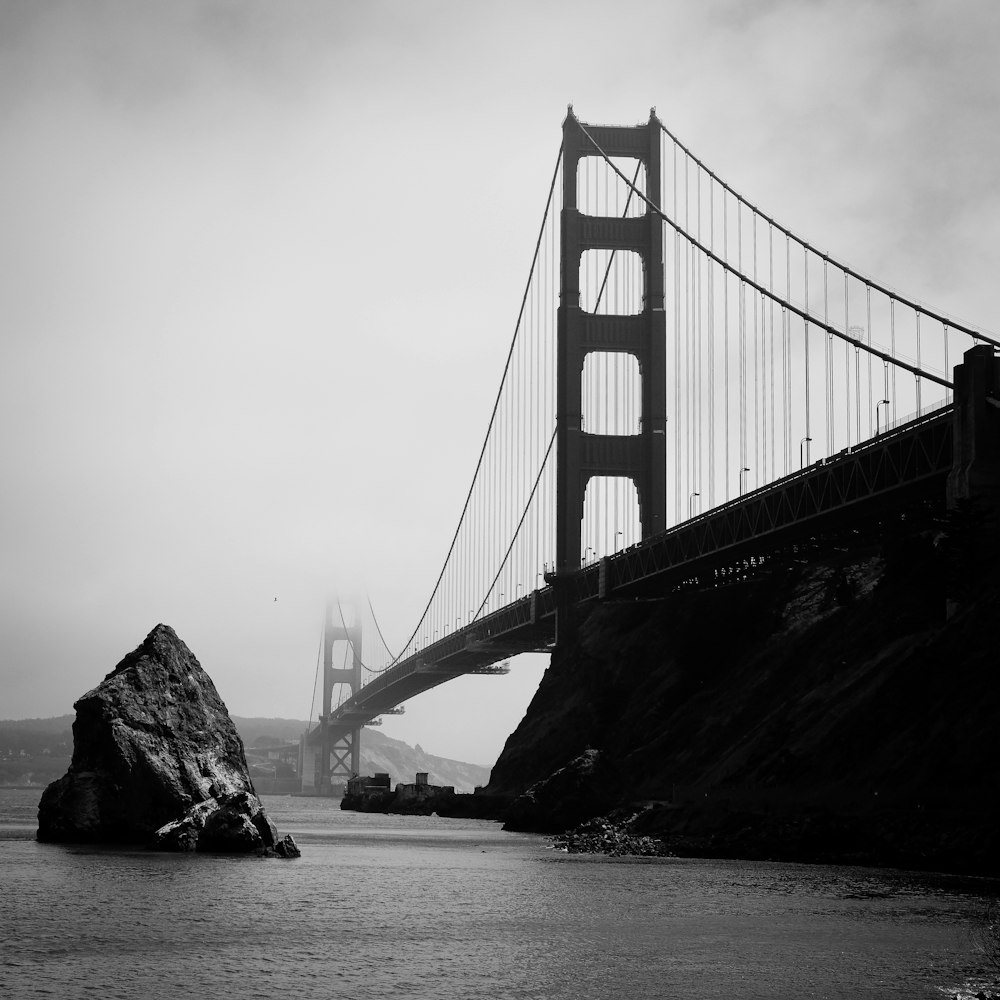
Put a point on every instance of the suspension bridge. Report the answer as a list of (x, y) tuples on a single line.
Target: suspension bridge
[(689, 386)]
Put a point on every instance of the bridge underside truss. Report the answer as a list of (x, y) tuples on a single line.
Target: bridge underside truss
[(914, 460)]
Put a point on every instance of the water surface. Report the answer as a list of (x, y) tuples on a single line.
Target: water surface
[(421, 907)]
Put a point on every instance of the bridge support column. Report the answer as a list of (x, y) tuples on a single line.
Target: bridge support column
[(975, 472), (340, 759), (579, 455), (973, 491)]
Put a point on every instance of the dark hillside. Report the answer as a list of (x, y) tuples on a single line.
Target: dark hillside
[(823, 708)]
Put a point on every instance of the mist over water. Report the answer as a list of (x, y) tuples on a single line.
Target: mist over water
[(423, 907)]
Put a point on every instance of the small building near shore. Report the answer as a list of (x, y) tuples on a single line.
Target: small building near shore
[(369, 784)]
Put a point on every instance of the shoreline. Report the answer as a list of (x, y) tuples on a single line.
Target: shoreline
[(947, 842), (894, 839)]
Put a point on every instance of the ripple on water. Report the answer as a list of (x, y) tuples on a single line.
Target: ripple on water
[(428, 908)]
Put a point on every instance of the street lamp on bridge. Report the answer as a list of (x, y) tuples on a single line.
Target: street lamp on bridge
[(805, 440), (690, 503), (883, 402), (746, 468)]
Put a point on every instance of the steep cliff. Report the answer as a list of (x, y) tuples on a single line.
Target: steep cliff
[(824, 706)]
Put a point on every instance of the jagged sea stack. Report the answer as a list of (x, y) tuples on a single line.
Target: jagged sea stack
[(153, 745)]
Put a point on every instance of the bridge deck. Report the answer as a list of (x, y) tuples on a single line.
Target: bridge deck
[(915, 458)]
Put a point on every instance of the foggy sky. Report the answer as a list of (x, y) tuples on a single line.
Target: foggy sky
[(260, 265)]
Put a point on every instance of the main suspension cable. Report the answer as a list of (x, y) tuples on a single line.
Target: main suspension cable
[(819, 253), (493, 414), (763, 291), (379, 631), (319, 658), (527, 507)]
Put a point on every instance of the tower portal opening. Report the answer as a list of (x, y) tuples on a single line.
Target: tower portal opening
[(612, 282), (610, 517), (611, 389), (600, 191)]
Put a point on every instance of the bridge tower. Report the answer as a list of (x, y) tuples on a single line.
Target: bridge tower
[(976, 470), (580, 455), (341, 758)]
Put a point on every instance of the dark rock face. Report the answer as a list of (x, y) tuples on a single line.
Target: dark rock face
[(287, 848), (584, 787), (239, 823), (230, 824), (154, 747), (826, 709)]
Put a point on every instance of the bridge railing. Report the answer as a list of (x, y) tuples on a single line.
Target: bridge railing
[(900, 457)]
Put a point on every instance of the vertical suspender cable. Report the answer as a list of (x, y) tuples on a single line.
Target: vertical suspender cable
[(805, 258), (786, 380), (757, 431), (847, 358), (678, 516), (947, 366), (857, 383), (687, 332), (770, 337), (868, 324), (711, 348), (918, 362), (828, 353), (698, 345), (725, 342), (892, 351), (486, 440)]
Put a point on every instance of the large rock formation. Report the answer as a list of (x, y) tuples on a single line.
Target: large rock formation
[(824, 708), (154, 747)]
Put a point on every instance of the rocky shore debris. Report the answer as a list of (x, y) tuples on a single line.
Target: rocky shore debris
[(157, 760), (235, 824), (610, 836)]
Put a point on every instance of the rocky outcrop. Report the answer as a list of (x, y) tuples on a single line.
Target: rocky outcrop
[(236, 824), (824, 708), (610, 835), (570, 795), (154, 750)]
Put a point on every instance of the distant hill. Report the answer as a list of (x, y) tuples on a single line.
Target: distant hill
[(379, 753), (37, 751)]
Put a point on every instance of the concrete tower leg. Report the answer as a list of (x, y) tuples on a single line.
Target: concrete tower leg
[(579, 455)]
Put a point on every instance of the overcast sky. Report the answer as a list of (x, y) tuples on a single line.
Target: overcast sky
[(260, 265)]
